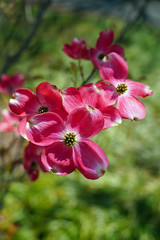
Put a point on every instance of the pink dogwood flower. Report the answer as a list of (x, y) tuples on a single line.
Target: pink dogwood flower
[(10, 122), (104, 46), (77, 49), (32, 160), (47, 99), (125, 92), (90, 94), (67, 144), (9, 83)]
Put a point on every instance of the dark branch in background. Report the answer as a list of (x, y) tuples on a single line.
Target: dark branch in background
[(140, 14), (11, 33), (12, 59)]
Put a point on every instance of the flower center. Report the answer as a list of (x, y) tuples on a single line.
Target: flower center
[(70, 139), (42, 109), (121, 88), (33, 165), (101, 56)]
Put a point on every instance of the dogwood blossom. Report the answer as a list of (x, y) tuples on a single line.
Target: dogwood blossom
[(125, 92)]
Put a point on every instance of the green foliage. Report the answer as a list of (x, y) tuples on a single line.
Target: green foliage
[(125, 203)]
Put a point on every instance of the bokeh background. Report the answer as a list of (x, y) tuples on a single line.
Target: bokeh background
[(125, 203)]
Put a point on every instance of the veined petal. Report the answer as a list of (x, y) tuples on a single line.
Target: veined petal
[(110, 91), (112, 117), (49, 96), (87, 121), (71, 99), (131, 108), (57, 158), (113, 67), (94, 96), (90, 159), (138, 89), (19, 100), (42, 129)]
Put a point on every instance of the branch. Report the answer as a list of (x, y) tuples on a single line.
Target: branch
[(12, 59)]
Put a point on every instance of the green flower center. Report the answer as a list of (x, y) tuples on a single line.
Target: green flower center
[(101, 56), (42, 109), (70, 139), (121, 88)]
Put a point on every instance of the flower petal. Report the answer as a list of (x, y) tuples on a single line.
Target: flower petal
[(110, 91), (117, 49), (87, 121), (57, 158), (94, 96), (113, 67), (105, 39), (42, 129), (112, 117), (19, 100), (49, 96), (71, 99), (138, 89), (90, 159), (131, 108)]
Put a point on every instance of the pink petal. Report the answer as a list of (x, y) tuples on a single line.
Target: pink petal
[(42, 129), (87, 121), (105, 39), (110, 92), (131, 108), (90, 159), (57, 158), (71, 99), (117, 49), (49, 96), (94, 96), (19, 100), (113, 67), (32, 105), (112, 117), (77, 49), (138, 89)]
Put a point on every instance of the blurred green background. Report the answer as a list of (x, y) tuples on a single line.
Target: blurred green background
[(125, 203)]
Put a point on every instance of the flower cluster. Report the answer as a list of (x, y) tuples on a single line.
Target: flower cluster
[(79, 50), (59, 123)]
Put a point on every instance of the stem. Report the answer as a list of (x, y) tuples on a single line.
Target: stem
[(89, 77), (81, 70)]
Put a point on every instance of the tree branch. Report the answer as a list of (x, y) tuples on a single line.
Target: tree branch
[(12, 59)]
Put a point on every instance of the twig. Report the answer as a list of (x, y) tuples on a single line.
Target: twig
[(89, 77), (140, 14), (12, 59)]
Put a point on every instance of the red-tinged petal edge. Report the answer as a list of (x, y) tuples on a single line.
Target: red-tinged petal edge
[(87, 121), (42, 129), (112, 117), (90, 159), (113, 67), (57, 158), (131, 108)]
